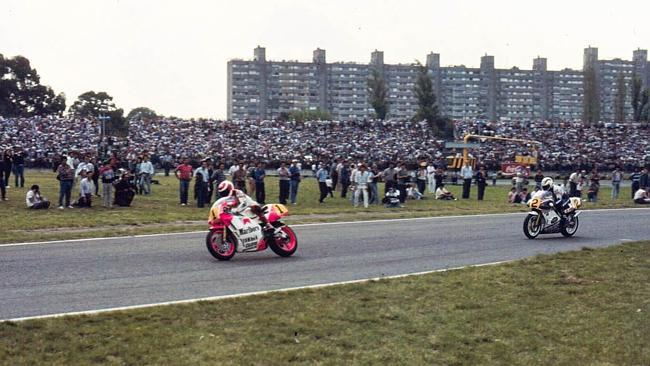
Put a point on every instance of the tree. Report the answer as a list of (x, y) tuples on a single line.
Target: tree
[(141, 112), (591, 97), (21, 92), (427, 105), (308, 115), (619, 100), (378, 94), (637, 107), (100, 105), (645, 106)]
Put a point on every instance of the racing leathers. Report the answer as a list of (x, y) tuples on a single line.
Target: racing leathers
[(246, 202), (558, 195)]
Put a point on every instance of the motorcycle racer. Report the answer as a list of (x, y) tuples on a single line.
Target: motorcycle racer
[(244, 202), (556, 192)]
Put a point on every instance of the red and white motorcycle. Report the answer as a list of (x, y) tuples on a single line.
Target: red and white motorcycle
[(232, 232)]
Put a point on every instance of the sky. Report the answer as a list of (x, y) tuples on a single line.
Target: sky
[(171, 55)]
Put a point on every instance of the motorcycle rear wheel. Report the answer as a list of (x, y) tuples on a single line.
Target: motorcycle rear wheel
[(567, 230), (220, 249), (533, 227), (285, 247)]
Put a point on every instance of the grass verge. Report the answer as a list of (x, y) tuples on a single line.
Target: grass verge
[(575, 308), (161, 213)]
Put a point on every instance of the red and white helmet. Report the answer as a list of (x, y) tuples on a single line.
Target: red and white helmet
[(226, 186)]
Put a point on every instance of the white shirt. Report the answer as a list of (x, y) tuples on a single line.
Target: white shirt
[(85, 187), (466, 172), (146, 167), (640, 194)]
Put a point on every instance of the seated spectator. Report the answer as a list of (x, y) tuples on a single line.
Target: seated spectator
[(443, 194), (85, 190), (512, 195), (642, 197), (34, 199), (124, 191), (413, 193), (524, 196), (391, 200)]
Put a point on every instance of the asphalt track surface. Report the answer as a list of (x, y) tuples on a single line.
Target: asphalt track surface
[(61, 277)]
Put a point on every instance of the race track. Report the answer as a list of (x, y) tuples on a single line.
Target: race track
[(40, 279)]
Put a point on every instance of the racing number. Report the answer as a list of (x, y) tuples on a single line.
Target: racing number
[(534, 203), (281, 210)]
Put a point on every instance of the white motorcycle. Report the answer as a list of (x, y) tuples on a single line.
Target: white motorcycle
[(545, 218), (242, 232)]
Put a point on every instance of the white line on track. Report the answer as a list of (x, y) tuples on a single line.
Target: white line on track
[(304, 225), (248, 294)]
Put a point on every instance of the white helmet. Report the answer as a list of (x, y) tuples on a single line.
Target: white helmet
[(547, 183), (225, 186)]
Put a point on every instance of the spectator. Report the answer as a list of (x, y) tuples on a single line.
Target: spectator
[(200, 188), (166, 161), (107, 176), (184, 179), (3, 187), (65, 176), (413, 192), (34, 199), (594, 187), (218, 176), (239, 178), (344, 177), (538, 178), (641, 196), (283, 181), (334, 176), (443, 194), (125, 190), (7, 159), (421, 177), (467, 173), (481, 181), (258, 177), (574, 179), (321, 176), (431, 181), (635, 178), (18, 168), (146, 172), (513, 196), (391, 198), (643, 178), (294, 183), (360, 179), (389, 175), (402, 180), (250, 170), (85, 190), (372, 184), (616, 183)]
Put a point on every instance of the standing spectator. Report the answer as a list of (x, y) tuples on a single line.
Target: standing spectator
[(18, 168), (574, 179), (431, 180), (389, 176), (616, 183), (3, 187), (344, 177), (34, 199), (294, 183), (146, 172), (283, 181), (538, 179), (95, 177), (7, 159), (107, 176), (360, 179), (594, 187), (184, 179), (65, 176), (233, 168), (481, 181), (218, 176), (166, 161), (519, 181), (322, 175), (494, 178), (258, 176), (372, 184), (334, 176), (421, 177), (239, 178), (201, 178), (439, 177), (200, 188), (250, 178), (402, 180), (467, 173), (635, 178)]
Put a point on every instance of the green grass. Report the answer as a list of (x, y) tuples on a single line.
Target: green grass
[(161, 212), (589, 307)]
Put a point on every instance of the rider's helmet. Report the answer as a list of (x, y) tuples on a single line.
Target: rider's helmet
[(547, 183), (226, 186)]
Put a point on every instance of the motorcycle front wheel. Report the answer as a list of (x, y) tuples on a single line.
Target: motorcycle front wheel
[(570, 227), (286, 243), (221, 249), (533, 225)]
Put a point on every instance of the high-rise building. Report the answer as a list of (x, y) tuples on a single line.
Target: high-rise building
[(262, 89)]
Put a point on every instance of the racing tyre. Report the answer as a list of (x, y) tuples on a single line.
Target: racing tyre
[(533, 225), (285, 243), (221, 249), (570, 227)]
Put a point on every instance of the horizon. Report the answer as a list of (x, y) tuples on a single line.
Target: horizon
[(172, 58)]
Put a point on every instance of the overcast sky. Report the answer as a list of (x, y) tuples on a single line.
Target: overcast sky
[(171, 55)]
